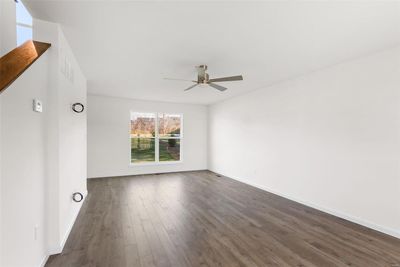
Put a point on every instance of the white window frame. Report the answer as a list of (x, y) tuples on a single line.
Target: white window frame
[(156, 141)]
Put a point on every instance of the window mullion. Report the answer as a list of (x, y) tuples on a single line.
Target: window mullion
[(157, 152), (24, 25)]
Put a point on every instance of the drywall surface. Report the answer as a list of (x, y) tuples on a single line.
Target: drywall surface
[(72, 137), (48, 32), (109, 136), (330, 139), (1, 218), (43, 155), (66, 136), (1, 53), (23, 159), (1, 28), (8, 34)]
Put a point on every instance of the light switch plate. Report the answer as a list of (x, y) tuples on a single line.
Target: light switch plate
[(37, 105)]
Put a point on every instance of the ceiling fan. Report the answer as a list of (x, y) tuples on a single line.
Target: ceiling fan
[(203, 79)]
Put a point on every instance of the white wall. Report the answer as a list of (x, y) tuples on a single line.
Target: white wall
[(1, 53), (8, 35), (23, 169), (109, 143), (66, 136), (72, 138), (1, 27), (22, 157), (330, 139), (43, 155), (7, 39), (1, 181)]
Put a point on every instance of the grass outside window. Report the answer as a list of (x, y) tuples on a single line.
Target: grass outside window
[(155, 138)]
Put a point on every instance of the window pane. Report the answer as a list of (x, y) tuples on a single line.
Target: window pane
[(142, 124), (23, 34), (23, 15), (142, 150), (170, 149), (169, 125)]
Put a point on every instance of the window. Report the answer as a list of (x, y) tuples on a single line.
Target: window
[(155, 138), (24, 24), (169, 132)]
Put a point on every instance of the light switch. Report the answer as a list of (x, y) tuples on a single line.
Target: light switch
[(37, 105)]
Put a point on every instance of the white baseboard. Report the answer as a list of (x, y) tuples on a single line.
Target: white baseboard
[(72, 222), (348, 217), (145, 173), (60, 247), (44, 260)]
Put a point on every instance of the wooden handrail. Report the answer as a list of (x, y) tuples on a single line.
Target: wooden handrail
[(13, 64)]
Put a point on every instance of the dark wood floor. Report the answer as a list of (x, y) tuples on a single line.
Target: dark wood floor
[(199, 219)]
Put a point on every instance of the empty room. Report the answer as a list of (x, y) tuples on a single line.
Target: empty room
[(199, 133)]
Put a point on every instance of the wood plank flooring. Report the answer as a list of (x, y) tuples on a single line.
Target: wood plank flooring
[(199, 219)]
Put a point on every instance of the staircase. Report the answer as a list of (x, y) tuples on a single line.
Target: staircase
[(13, 64)]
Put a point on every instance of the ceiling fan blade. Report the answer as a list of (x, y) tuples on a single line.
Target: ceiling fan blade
[(227, 79), (218, 87), (183, 80), (187, 89)]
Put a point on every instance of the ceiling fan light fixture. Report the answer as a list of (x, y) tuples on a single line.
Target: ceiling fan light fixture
[(203, 79)]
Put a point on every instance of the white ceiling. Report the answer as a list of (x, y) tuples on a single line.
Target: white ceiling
[(125, 48)]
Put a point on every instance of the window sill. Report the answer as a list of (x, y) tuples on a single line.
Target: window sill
[(155, 163)]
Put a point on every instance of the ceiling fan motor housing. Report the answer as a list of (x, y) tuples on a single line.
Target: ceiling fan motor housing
[(204, 67), (202, 76), (203, 79)]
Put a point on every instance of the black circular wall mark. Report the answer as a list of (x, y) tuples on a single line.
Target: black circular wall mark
[(77, 197), (78, 107)]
